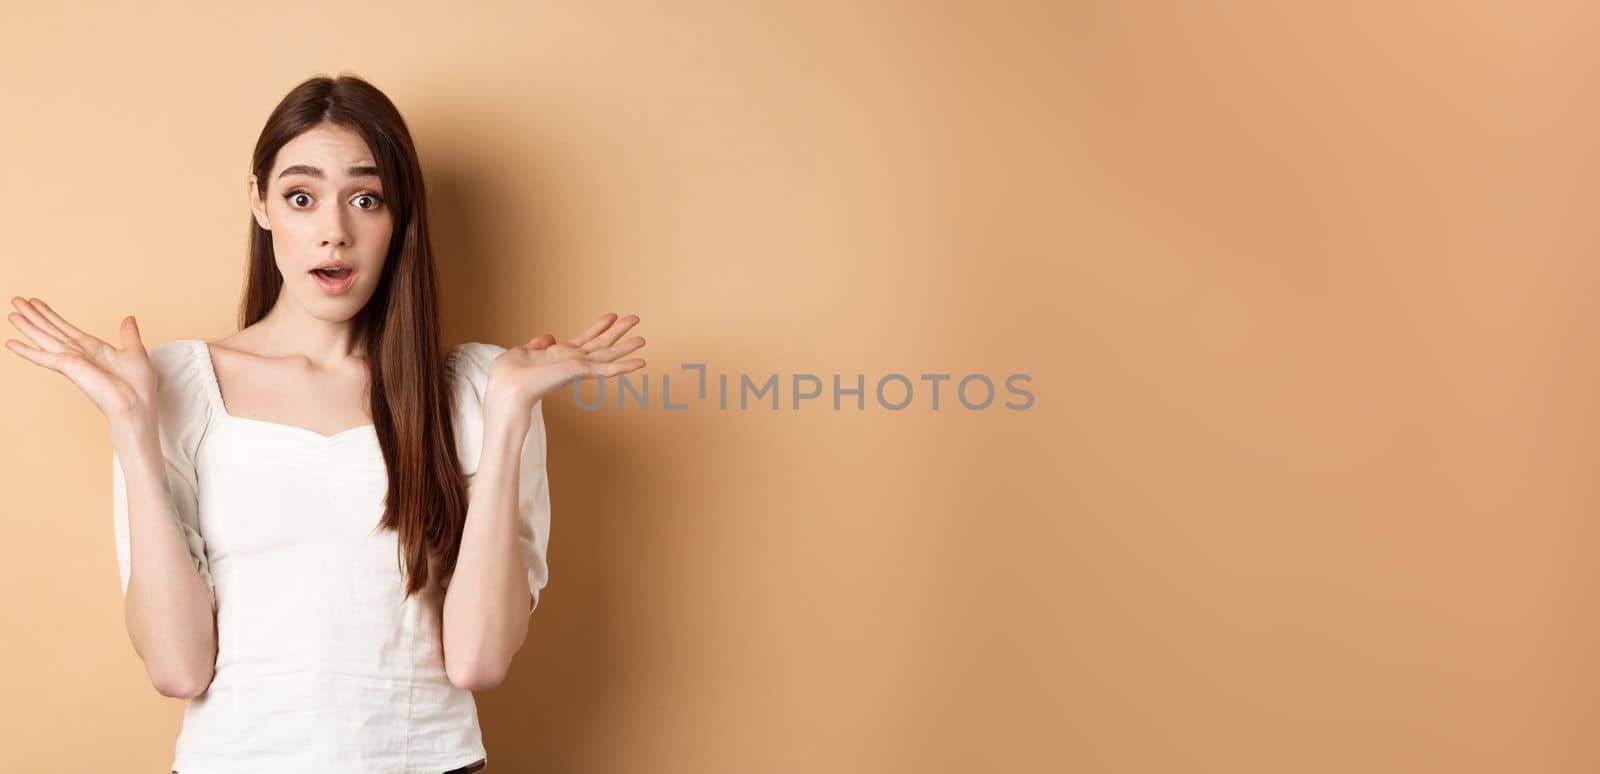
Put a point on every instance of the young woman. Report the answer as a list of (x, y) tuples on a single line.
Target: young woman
[(330, 531)]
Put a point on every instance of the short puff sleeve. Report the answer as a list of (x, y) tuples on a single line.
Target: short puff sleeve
[(467, 368), (184, 411)]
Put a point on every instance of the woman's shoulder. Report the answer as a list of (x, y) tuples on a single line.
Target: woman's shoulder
[(182, 371), (467, 363), (472, 354), (179, 362), (173, 354), (467, 366)]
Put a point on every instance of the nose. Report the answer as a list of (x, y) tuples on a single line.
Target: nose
[(334, 229)]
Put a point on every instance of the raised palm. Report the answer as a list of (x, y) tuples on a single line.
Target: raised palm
[(121, 382), (533, 369)]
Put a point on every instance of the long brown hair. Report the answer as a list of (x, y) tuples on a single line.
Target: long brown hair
[(398, 328)]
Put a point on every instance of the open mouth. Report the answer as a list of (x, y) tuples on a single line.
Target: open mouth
[(335, 279)]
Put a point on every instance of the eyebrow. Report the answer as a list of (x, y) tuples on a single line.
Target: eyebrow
[(307, 169)]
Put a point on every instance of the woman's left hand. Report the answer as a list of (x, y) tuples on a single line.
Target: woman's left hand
[(522, 375)]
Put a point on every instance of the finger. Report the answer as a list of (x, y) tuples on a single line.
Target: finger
[(606, 370), (40, 339), (44, 326), (130, 334), (35, 355), (71, 331), (594, 330), (541, 342), (611, 335), (29, 307), (613, 352)]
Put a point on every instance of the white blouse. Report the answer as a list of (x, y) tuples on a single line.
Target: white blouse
[(320, 664)]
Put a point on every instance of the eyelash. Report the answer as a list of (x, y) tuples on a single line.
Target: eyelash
[(289, 195)]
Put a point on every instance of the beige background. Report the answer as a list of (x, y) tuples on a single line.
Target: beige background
[(1305, 294)]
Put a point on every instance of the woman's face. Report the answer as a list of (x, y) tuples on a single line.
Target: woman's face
[(325, 208)]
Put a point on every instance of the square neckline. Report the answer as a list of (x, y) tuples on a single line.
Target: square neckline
[(214, 391)]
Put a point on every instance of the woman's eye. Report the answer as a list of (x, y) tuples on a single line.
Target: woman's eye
[(377, 201), (294, 198)]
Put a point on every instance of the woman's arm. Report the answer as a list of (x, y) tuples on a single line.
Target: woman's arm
[(486, 603), (167, 609)]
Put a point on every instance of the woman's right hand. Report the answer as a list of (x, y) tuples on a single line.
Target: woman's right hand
[(121, 382)]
